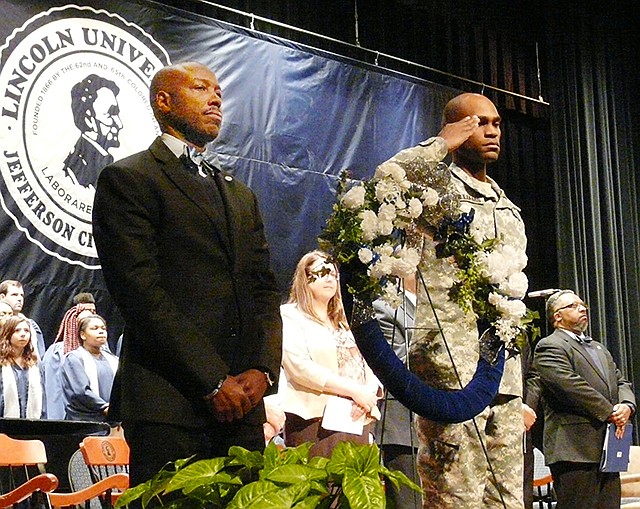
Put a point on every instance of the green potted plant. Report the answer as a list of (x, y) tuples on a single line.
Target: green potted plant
[(353, 478)]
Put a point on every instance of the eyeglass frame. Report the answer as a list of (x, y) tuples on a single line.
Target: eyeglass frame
[(574, 305)]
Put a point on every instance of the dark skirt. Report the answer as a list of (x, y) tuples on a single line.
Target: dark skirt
[(298, 431)]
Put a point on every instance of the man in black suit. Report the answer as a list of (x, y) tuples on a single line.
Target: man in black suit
[(186, 261), (581, 390)]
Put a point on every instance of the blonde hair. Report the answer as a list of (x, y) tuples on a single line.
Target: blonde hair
[(301, 295)]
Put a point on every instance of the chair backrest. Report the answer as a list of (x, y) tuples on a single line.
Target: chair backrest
[(80, 477), (542, 481), (105, 450), (21, 474), (105, 455), (18, 453)]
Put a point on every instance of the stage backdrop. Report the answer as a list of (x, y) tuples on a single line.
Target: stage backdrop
[(293, 120)]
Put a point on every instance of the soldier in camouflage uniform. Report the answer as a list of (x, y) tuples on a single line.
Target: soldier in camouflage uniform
[(454, 471)]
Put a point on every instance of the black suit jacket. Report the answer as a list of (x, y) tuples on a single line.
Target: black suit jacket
[(191, 276), (577, 398)]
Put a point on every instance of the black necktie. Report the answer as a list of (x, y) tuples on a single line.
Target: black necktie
[(196, 164), (189, 165)]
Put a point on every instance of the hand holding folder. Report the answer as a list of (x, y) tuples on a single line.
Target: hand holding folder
[(615, 451)]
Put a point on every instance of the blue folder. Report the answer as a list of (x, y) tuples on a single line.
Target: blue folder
[(615, 452)]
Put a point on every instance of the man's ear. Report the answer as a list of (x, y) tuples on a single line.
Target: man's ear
[(163, 101)]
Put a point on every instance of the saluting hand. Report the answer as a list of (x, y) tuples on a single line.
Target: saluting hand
[(456, 133)]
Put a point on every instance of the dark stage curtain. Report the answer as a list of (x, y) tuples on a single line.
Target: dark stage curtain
[(593, 55)]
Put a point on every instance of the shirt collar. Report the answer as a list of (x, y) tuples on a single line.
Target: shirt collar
[(579, 339), (489, 189), (177, 148)]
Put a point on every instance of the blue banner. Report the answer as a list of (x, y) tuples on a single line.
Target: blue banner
[(293, 120)]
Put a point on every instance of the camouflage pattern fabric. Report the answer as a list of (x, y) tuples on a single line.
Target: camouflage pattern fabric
[(444, 352)]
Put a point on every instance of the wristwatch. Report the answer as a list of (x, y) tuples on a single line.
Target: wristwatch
[(215, 391), (270, 380)]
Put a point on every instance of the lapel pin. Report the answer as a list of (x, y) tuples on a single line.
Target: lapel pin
[(228, 178)]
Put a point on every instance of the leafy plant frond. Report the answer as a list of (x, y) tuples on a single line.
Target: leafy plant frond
[(352, 478)]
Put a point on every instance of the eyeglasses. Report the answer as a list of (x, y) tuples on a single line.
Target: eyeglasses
[(573, 305)]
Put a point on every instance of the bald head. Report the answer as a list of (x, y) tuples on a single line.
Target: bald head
[(186, 99), (169, 79), (464, 105)]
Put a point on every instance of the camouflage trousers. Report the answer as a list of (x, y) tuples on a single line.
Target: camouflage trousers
[(454, 470)]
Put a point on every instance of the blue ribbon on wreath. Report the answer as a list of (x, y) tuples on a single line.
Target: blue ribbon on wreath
[(451, 406)]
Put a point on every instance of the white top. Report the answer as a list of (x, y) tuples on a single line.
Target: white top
[(309, 358)]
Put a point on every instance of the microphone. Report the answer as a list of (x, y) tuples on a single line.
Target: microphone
[(543, 293)]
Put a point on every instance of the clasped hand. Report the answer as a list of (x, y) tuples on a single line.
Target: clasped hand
[(238, 395), (363, 402)]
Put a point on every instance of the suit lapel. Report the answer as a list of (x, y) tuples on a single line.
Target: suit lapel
[(203, 198), (224, 182), (581, 349)]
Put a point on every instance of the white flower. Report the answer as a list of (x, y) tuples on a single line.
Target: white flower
[(387, 192), (479, 226), (369, 225), (354, 197), (500, 263), (387, 212), (429, 197), (506, 330), (365, 255), (384, 250), (405, 262), (515, 285), (382, 266), (391, 295), (516, 309), (385, 227), (405, 185), (415, 208), (516, 259), (390, 169), (493, 265), (511, 309)]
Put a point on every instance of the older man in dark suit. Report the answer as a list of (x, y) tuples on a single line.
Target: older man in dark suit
[(582, 391), (184, 256)]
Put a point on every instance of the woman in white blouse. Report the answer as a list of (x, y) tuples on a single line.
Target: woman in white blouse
[(322, 365)]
